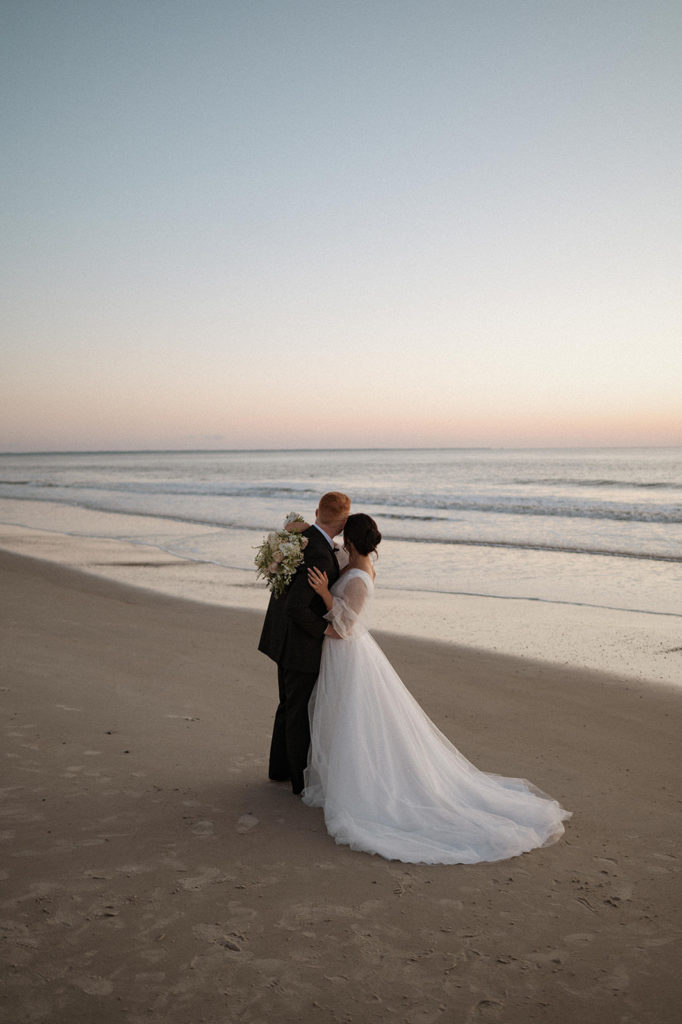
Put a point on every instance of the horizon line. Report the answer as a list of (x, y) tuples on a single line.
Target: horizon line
[(368, 448)]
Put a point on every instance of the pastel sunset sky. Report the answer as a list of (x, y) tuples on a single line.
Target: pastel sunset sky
[(340, 223)]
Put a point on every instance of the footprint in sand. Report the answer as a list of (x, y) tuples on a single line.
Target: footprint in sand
[(216, 934), (203, 828), (487, 1010), (579, 939), (246, 823), (210, 876), (94, 986)]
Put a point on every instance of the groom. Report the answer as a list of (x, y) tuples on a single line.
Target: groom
[(292, 636)]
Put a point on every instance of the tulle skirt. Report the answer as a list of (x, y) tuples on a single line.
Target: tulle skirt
[(391, 783)]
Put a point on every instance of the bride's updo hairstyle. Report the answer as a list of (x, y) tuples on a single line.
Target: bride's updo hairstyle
[(362, 532)]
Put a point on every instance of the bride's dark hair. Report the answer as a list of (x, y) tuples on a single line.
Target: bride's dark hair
[(362, 532)]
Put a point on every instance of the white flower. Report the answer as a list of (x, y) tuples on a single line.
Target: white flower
[(294, 517)]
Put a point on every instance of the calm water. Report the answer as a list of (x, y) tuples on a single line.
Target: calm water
[(589, 526)]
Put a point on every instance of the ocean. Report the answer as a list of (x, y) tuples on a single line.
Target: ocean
[(594, 527)]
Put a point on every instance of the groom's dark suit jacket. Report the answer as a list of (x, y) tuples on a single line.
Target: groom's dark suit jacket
[(294, 622)]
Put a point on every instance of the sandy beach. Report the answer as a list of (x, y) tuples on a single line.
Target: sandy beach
[(151, 873)]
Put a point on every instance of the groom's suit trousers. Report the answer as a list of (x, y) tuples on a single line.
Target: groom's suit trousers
[(291, 731)]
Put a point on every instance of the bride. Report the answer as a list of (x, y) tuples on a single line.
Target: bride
[(388, 780)]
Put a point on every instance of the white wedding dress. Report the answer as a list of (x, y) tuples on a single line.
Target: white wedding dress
[(388, 780)]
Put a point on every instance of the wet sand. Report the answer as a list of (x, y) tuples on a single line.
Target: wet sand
[(637, 645), (151, 873)]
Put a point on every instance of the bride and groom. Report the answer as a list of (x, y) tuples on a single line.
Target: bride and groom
[(353, 741)]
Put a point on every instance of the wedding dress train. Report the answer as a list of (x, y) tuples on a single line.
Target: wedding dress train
[(388, 780)]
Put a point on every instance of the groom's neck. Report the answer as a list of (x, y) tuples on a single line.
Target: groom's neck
[(325, 530)]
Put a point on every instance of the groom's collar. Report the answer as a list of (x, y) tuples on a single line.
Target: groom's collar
[(329, 540)]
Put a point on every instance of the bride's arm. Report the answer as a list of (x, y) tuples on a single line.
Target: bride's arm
[(295, 524), (343, 613)]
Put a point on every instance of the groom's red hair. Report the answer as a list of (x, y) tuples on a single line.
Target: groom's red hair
[(333, 505)]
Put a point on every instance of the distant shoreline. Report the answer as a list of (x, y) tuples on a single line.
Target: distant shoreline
[(371, 448)]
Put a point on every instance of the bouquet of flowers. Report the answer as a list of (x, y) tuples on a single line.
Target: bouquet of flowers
[(280, 555)]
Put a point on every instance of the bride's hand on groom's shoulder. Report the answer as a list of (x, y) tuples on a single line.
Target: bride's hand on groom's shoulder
[(320, 584), (318, 581)]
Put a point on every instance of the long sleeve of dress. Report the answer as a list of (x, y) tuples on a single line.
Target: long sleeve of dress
[(345, 613)]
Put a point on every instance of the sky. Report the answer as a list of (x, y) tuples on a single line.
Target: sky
[(340, 223)]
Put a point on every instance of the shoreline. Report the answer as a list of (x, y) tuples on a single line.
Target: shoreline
[(640, 646), (153, 874)]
